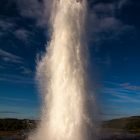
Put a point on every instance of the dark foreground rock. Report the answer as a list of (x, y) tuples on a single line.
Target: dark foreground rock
[(108, 136), (120, 136), (117, 129)]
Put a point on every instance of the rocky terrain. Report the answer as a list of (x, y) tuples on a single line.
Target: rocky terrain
[(117, 129)]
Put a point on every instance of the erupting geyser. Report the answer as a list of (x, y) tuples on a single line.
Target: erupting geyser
[(63, 76)]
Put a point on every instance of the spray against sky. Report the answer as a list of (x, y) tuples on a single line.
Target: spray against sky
[(113, 47), (63, 76)]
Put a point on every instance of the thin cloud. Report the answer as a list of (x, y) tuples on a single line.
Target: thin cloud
[(33, 9), (122, 97), (25, 70), (105, 61), (121, 3), (6, 25), (122, 86), (16, 79), (112, 114), (30, 8), (123, 93), (128, 86), (103, 24), (7, 54), (22, 34), (111, 83), (9, 112), (17, 100), (126, 99), (10, 57)]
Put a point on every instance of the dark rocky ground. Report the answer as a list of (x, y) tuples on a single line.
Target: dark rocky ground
[(120, 136), (118, 129), (108, 136)]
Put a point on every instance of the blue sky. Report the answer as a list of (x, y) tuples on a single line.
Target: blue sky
[(113, 34)]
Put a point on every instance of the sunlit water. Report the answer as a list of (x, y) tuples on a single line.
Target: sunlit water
[(63, 76)]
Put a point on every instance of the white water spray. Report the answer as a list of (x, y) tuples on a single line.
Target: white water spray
[(63, 76)]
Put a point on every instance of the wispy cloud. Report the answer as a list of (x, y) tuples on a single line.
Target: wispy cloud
[(22, 34), (121, 3), (128, 86), (104, 25), (17, 99), (30, 8), (111, 114), (9, 26), (124, 93), (6, 24), (16, 79), (25, 70), (105, 61), (120, 97), (10, 57), (33, 9), (9, 112), (123, 86)]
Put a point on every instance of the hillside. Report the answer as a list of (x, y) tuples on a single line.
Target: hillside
[(130, 124), (117, 129), (16, 124)]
